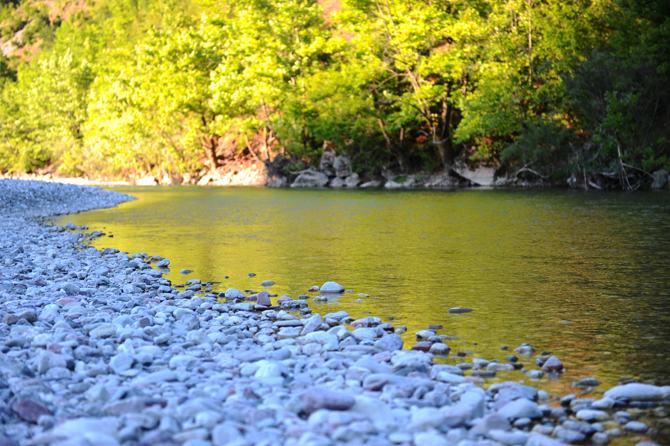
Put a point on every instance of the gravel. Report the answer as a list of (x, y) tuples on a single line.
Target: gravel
[(96, 348)]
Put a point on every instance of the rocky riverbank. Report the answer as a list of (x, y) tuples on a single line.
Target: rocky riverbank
[(97, 348)]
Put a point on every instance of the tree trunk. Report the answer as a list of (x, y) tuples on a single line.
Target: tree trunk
[(211, 146), (446, 153)]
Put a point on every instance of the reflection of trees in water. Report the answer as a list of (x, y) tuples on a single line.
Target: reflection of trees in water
[(571, 273)]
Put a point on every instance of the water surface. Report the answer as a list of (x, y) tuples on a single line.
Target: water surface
[(585, 275)]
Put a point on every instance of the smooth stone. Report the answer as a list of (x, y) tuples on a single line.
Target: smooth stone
[(120, 363), (553, 364), (587, 382), (457, 310), (600, 438), (288, 333), (157, 377), (499, 367), (47, 360), (234, 293), (312, 324), (423, 346), (376, 410), (320, 398), (485, 374), (263, 299), (226, 433), (328, 340), (337, 316), (30, 410), (513, 438), (423, 335), (525, 350), (636, 427), (331, 287), (523, 423), (472, 405), (271, 369), (450, 378), (430, 439), (288, 323), (243, 307), (364, 334), (592, 415), (491, 421), (436, 369), (267, 283), (603, 403), (569, 435), (638, 392), (521, 408), (390, 342), (103, 331), (369, 321), (543, 440), (185, 361), (73, 428)]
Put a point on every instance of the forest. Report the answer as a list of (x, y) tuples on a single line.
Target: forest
[(550, 89)]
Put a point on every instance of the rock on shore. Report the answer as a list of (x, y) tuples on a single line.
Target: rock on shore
[(99, 349)]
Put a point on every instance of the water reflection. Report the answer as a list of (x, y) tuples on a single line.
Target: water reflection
[(584, 275)]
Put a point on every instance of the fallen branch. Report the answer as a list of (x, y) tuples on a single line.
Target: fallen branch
[(636, 168), (527, 169)]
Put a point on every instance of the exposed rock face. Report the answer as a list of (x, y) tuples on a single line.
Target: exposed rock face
[(326, 165), (311, 178), (481, 176), (342, 166)]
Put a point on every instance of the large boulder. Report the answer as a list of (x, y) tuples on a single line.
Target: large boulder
[(311, 178), (660, 179), (337, 183), (342, 166), (352, 180), (481, 176), (327, 162)]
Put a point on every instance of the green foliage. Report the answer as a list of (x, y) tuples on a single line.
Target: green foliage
[(544, 146), (159, 85)]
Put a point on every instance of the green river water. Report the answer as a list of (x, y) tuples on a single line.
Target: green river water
[(584, 275)]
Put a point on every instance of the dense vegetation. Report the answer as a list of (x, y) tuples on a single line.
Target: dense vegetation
[(553, 89)]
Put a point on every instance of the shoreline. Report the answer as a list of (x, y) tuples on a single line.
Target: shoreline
[(329, 177), (129, 184), (99, 349)]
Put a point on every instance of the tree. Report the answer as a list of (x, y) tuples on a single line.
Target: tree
[(417, 54)]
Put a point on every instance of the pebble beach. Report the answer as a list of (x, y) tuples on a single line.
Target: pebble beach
[(98, 348)]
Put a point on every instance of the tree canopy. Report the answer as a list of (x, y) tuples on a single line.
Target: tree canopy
[(557, 89)]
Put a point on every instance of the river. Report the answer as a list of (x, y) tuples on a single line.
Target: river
[(584, 275)]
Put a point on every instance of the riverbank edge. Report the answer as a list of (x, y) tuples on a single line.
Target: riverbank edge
[(342, 404), (380, 184)]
